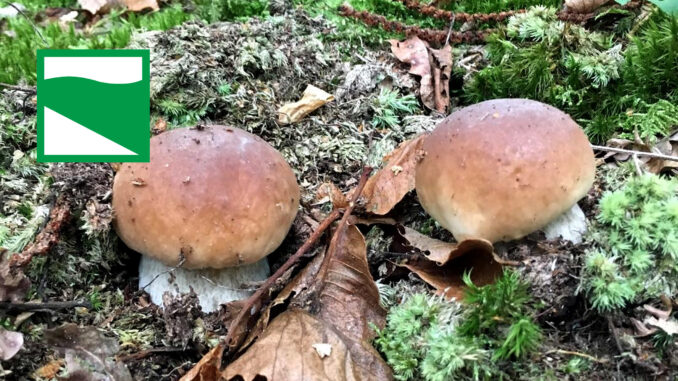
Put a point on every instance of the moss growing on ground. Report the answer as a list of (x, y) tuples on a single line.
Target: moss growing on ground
[(635, 253), (433, 339)]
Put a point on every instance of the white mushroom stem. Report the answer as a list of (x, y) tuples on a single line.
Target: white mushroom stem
[(570, 226), (213, 287)]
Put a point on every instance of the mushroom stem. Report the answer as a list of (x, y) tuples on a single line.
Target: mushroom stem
[(213, 286)]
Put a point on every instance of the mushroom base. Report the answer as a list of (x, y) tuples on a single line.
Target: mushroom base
[(570, 226), (213, 287)]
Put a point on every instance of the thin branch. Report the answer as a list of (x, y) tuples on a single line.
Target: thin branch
[(42, 306), (35, 28), (638, 153), (250, 306), (148, 352), (584, 355), (18, 88)]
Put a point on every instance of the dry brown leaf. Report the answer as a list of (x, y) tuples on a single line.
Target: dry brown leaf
[(344, 302), (103, 6), (447, 279), (434, 66), (441, 68), (208, 368), (439, 251), (391, 183), (329, 192), (49, 370), (668, 146), (312, 99), (584, 6), (10, 343)]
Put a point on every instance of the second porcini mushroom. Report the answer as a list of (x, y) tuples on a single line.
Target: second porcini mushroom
[(501, 169), (206, 210)]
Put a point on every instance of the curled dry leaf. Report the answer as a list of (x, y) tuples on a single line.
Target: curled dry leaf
[(328, 192), (14, 283), (103, 6), (344, 301), (432, 65), (391, 183), (208, 368), (667, 146), (89, 354), (312, 99), (10, 343), (584, 6), (445, 264), (439, 251)]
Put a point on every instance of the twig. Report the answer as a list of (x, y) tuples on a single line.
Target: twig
[(432, 11), (18, 88), (584, 355), (250, 305), (38, 306), (632, 152), (148, 352), (35, 28)]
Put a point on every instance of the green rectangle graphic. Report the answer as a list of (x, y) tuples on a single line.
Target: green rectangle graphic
[(93, 105)]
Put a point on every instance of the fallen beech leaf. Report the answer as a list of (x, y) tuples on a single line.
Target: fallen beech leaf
[(89, 354), (312, 99), (103, 6), (207, 369), (344, 301), (441, 68), (49, 370), (584, 6), (10, 343), (670, 326), (14, 283), (439, 251), (330, 192), (447, 279), (667, 146), (434, 66), (387, 187)]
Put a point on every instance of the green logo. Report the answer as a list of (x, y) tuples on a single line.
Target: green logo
[(93, 106)]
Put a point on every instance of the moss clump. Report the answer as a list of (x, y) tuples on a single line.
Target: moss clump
[(585, 73), (635, 245), (432, 339)]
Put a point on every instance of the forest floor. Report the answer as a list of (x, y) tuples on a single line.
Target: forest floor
[(239, 73)]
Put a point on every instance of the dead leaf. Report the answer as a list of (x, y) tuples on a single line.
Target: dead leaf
[(391, 183), (89, 354), (439, 251), (584, 6), (434, 66), (448, 278), (312, 99), (208, 368), (667, 146), (49, 370), (10, 343), (159, 126), (670, 326), (328, 192), (103, 6), (344, 301), (14, 283)]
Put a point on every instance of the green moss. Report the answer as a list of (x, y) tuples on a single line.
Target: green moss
[(429, 338), (587, 74), (635, 254)]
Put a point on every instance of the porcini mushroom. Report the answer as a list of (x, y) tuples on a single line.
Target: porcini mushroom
[(206, 210), (501, 169)]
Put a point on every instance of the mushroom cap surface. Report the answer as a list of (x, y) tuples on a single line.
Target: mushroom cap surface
[(504, 168), (216, 196)]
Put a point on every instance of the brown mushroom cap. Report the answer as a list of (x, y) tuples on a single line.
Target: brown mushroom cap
[(218, 196), (504, 168)]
